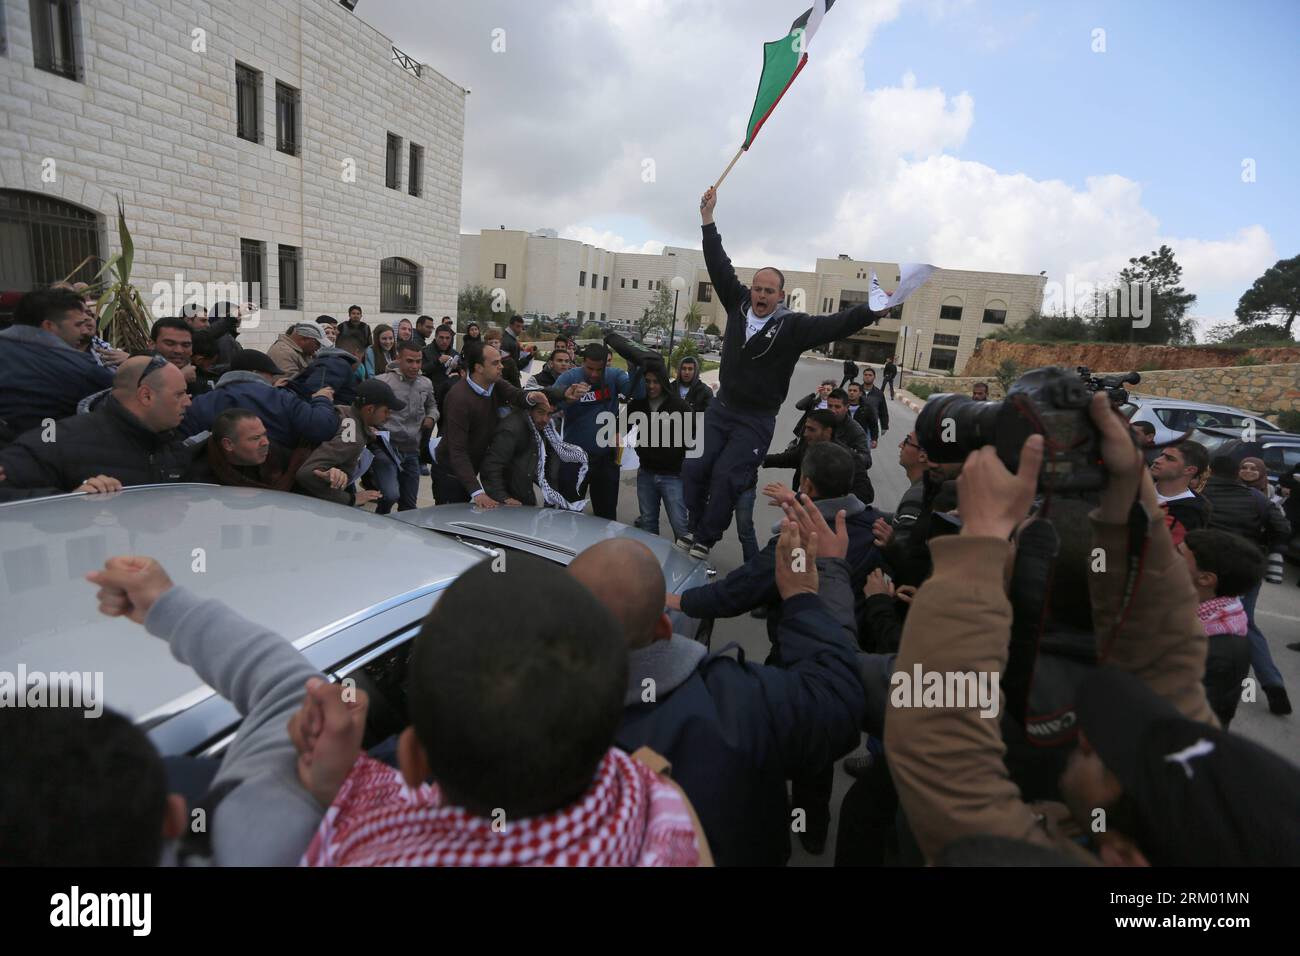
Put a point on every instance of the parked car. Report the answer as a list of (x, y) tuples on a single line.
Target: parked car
[(652, 339), (348, 588), (1173, 417)]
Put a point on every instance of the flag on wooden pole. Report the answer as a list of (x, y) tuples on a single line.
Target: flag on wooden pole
[(782, 61)]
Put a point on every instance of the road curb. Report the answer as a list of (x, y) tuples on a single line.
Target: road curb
[(909, 400)]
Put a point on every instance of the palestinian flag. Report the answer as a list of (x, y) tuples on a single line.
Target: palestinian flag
[(782, 61)]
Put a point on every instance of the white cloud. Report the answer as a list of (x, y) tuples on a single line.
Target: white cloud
[(559, 128)]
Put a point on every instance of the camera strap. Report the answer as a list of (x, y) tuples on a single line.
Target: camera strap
[(1037, 547), (1138, 524)]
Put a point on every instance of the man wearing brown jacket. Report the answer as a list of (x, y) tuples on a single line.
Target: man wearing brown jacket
[(947, 761), (332, 469)]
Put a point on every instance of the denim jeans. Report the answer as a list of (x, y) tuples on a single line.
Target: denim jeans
[(1260, 657), (399, 482), (652, 489), (745, 523)]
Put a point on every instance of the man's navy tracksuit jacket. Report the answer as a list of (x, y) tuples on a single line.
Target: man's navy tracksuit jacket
[(753, 382)]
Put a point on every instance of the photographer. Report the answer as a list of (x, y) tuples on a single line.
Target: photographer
[(1149, 755)]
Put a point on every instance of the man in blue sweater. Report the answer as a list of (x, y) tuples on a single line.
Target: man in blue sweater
[(583, 422), (762, 343)]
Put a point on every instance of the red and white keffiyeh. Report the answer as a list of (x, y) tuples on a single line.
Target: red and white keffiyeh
[(1223, 615), (628, 817)]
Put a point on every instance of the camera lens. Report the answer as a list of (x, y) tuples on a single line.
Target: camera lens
[(951, 426)]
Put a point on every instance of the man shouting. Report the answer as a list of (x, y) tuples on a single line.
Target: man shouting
[(762, 342)]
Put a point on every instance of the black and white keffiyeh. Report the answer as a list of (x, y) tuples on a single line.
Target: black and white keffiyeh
[(568, 453)]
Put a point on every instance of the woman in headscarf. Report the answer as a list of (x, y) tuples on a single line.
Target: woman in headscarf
[(1253, 473), (383, 352)]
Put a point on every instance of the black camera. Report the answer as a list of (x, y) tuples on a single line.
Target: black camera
[(1052, 402)]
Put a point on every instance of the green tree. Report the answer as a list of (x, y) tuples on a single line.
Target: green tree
[(591, 331), (712, 329), (477, 304), (1231, 333), (1047, 328), (693, 317), (683, 348), (658, 314), (1275, 295), (1162, 298)]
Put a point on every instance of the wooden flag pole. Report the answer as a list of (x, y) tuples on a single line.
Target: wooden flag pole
[(728, 169)]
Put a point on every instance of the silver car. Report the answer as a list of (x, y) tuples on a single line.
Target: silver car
[(348, 588), (1173, 417)]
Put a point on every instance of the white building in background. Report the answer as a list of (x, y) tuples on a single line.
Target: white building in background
[(283, 143), (937, 328)]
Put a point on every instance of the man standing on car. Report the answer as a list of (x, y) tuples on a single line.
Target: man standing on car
[(761, 346)]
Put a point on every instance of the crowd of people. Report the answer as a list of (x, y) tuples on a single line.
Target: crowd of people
[(629, 744)]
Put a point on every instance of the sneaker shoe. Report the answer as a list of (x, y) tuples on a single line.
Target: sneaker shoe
[(857, 765), (684, 543), (1278, 702), (699, 551)]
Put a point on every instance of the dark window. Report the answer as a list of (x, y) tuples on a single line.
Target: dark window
[(53, 42), (634, 282), (580, 315), (252, 260), (895, 313), (415, 171), (604, 284), (953, 340), (593, 280), (393, 171), (499, 270), (286, 119), (622, 283), (602, 316), (995, 316), (399, 286), (290, 277), (582, 277), (42, 240), (248, 103), (943, 360), (951, 312)]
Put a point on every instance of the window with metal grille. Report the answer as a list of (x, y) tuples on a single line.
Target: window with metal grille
[(499, 270), (252, 261), (54, 36), (415, 171), (248, 103), (393, 171), (604, 283), (286, 119), (995, 316), (290, 277), (45, 240), (399, 286), (943, 360), (953, 340), (952, 312)]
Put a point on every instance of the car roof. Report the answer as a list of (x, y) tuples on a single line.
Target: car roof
[(1186, 403), (300, 566)]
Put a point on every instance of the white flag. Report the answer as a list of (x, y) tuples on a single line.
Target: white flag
[(912, 275), (877, 298)]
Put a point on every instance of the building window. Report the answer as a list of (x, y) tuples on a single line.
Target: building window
[(252, 261), (53, 41), (42, 240), (248, 103), (593, 280), (950, 312), (393, 168), (995, 316), (582, 278), (399, 286), (952, 340), (415, 171), (580, 315), (622, 283), (602, 316), (604, 283), (634, 282), (943, 360), (290, 277), (895, 313), (499, 270), (286, 118)]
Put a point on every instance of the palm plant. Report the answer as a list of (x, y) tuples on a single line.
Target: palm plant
[(124, 319)]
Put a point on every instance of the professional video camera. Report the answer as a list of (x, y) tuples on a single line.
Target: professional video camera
[(1051, 402)]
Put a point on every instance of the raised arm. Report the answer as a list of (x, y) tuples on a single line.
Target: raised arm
[(731, 291)]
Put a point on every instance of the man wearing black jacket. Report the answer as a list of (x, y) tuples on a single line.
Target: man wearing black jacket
[(522, 354), (1242, 510), (820, 426), (440, 363), (875, 398), (661, 449), (1173, 471), (689, 387), (761, 345)]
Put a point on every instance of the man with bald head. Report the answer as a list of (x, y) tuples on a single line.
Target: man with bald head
[(735, 731), (761, 345), (130, 439)]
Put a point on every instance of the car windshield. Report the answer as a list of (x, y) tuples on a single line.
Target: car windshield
[(1184, 419)]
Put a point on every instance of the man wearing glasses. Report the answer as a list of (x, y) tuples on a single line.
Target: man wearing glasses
[(761, 345), (130, 439)]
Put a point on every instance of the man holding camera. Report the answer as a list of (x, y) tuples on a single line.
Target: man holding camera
[(761, 345)]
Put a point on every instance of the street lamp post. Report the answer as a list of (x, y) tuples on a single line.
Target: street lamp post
[(678, 285)]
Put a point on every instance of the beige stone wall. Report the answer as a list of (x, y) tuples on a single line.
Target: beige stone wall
[(1111, 357)]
